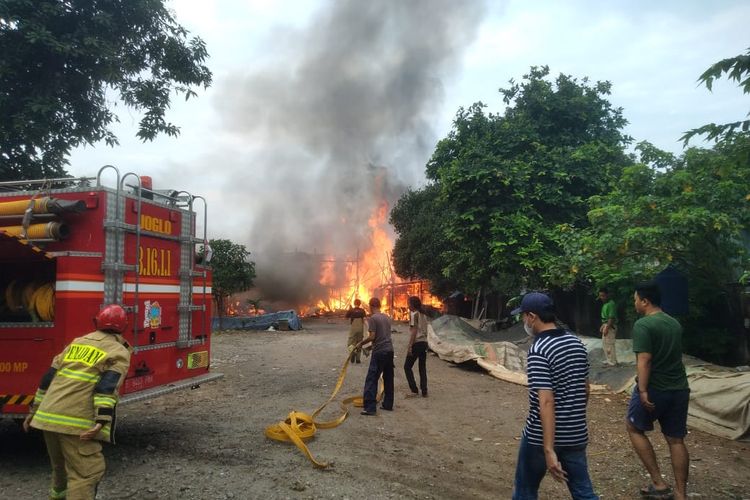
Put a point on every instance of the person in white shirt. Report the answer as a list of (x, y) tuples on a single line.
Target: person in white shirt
[(417, 349)]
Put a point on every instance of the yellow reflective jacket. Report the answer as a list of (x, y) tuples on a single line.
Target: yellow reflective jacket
[(80, 388)]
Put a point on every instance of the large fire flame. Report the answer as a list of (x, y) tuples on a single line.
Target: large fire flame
[(365, 274), (361, 273), (370, 274)]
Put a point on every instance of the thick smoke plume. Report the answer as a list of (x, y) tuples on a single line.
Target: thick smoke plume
[(343, 110)]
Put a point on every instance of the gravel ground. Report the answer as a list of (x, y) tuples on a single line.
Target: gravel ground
[(461, 442)]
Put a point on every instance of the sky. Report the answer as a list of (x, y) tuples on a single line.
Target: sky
[(320, 110)]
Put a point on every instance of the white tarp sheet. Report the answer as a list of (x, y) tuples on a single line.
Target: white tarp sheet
[(719, 398)]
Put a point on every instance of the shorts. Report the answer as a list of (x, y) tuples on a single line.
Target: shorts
[(671, 411)]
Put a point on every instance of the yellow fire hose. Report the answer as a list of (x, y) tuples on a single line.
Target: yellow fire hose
[(43, 302), (44, 230), (38, 206), (44, 205), (300, 427), (35, 298)]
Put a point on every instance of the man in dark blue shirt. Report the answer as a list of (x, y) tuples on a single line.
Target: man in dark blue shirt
[(555, 436)]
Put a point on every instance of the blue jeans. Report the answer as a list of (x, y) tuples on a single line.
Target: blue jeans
[(532, 467), (381, 363)]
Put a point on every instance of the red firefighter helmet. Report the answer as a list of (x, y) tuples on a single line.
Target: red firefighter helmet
[(111, 318)]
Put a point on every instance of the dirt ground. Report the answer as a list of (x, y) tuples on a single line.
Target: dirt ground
[(461, 442)]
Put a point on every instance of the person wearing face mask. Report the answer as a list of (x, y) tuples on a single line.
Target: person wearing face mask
[(555, 436)]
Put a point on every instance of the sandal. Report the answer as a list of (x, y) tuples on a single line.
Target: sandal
[(650, 491)]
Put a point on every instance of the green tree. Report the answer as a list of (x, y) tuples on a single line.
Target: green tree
[(510, 181), (420, 247), (737, 69), (232, 272), (63, 62), (692, 212)]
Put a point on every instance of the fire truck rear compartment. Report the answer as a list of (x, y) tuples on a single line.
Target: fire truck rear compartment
[(110, 246), (24, 271)]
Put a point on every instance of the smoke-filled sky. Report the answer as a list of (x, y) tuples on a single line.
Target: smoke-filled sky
[(341, 117), (319, 109), (341, 120)]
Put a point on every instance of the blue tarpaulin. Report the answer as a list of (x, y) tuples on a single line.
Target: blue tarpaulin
[(262, 322)]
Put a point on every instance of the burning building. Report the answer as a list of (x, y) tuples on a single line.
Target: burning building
[(316, 284), (325, 134)]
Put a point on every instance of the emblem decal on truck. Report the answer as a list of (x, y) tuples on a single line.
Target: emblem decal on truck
[(152, 317)]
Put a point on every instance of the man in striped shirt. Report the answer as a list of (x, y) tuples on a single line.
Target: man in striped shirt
[(555, 436)]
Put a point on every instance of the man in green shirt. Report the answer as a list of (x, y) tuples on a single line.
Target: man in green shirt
[(609, 327), (661, 393)]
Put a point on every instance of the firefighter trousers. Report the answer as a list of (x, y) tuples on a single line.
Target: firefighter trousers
[(356, 334), (77, 465)]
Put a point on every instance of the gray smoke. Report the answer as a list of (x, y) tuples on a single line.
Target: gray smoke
[(343, 109)]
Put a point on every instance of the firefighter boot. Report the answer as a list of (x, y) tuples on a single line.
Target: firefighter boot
[(55, 494)]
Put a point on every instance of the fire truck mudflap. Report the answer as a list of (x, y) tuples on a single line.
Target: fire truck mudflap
[(70, 246)]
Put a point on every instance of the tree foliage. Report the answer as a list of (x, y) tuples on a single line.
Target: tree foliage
[(63, 62), (420, 250), (232, 271), (544, 196), (692, 212), (737, 69), (508, 181)]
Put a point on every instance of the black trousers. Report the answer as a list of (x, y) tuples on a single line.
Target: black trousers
[(381, 363), (418, 352)]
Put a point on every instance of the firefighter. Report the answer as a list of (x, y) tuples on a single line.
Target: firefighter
[(356, 316), (75, 405)]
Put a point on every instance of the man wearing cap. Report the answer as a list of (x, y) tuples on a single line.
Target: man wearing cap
[(555, 436)]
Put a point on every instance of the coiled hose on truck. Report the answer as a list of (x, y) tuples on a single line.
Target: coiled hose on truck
[(27, 209), (40, 231), (42, 206), (36, 299)]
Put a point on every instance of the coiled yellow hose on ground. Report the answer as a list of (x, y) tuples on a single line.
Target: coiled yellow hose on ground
[(300, 427)]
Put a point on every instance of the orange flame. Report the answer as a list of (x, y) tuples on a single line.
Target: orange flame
[(369, 274), (237, 308)]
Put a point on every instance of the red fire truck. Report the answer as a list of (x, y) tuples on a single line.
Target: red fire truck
[(69, 246)]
